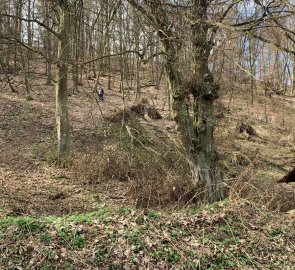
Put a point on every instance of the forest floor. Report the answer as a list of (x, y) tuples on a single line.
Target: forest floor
[(53, 218)]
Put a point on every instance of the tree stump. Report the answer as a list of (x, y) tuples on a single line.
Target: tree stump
[(139, 109), (153, 113), (247, 129), (288, 178)]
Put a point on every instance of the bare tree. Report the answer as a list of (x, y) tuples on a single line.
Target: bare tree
[(62, 120), (196, 134)]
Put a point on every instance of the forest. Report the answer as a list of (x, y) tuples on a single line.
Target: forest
[(147, 134)]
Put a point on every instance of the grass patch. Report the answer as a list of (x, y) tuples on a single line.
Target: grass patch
[(36, 224), (152, 215), (72, 237), (24, 224)]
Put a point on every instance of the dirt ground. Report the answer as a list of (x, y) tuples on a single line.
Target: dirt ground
[(31, 184)]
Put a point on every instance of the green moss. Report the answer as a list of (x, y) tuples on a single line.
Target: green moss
[(276, 232), (167, 253), (101, 253), (133, 238), (46, 238)]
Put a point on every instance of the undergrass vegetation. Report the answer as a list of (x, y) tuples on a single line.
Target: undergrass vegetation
[(231, 235), (156, 170)]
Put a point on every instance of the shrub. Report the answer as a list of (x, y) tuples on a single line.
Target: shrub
[(156, 170)]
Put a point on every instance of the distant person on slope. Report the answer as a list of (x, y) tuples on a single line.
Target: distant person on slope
[(100, 92)]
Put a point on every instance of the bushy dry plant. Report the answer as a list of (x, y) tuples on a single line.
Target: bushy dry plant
[(156, 170), (111, 163), (159, 180), (273, 196)]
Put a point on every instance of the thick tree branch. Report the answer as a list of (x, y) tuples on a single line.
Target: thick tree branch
[(15, 40), (32, 21), (142, 10)]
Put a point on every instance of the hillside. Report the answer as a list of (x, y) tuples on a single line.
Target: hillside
[(87, 215)]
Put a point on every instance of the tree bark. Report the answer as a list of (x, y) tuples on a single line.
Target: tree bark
[(179, 106), (25, 66), (196, 136), (63, 135), (205, 92), (293, 75)]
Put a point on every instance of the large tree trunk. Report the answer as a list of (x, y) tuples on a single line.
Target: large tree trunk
[(179, 106), (29, 29), (18, 30), (196, 136), (181, 116), (136, 33), (62, 120), (204, 92), (293, 75), (198, 144)]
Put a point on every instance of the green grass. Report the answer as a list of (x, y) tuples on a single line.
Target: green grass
[(152, 215), (72, 237), (25, 224), (37, 224)]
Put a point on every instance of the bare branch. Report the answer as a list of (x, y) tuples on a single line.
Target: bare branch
[(32, 21)]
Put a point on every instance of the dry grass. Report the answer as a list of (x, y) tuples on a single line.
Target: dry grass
[(154, 169), (111, 163), (137, 156), (253, 164), (122, 160)]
